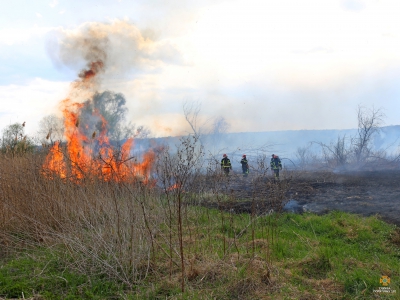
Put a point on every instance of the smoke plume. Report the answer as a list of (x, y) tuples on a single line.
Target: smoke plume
[(104, 51), (115, 48)]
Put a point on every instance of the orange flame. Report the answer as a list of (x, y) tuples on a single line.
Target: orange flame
[(174, 187), (55, 161), (80, 161)]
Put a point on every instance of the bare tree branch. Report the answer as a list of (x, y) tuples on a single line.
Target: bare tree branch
[(369, 123), (191, 111)]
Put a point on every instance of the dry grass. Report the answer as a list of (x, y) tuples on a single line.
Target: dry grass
[(395, 237), (106, 227)]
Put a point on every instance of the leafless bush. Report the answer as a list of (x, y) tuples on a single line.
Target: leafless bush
[(177, 174), (306, 158), (337, 154)]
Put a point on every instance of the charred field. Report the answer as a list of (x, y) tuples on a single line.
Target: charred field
[(365, 193)]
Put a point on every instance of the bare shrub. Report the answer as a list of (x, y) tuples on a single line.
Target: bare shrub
[(177, 173), (337, 154), (307, 159), (303, 157)]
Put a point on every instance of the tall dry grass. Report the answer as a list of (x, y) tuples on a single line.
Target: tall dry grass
[(106, 227)]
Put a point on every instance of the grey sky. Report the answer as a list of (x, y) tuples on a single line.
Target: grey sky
[(263, 65)]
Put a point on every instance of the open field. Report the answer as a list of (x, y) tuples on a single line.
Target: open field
[(104, 240)]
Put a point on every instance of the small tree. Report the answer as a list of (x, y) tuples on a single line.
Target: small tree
[(112, 109), (369, 122), (14, 141), (51, 128)]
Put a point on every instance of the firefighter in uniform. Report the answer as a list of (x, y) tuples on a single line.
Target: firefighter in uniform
[(226, 164), (245, 166), (276, 165)]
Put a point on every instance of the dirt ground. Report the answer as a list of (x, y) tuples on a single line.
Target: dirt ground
[(364, 193)]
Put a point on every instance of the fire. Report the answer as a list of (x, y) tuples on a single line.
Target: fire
[(174, 187), (55, 161), (92, 156)]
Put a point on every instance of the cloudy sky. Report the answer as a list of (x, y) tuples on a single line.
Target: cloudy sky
[(262, 65)]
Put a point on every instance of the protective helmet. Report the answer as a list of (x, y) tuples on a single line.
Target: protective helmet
[(224, 155), (244, 155), (273, 155)]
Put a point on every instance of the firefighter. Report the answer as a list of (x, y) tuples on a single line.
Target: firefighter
[(276, 165), (245, 166), (226, 164)]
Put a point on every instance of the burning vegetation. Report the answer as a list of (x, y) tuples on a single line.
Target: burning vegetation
[(84, 156), (87, 150)]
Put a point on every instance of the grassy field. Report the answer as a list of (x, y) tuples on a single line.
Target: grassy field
[(336, 256), (62, 239)]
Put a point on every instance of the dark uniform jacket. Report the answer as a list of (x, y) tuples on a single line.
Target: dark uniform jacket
[(244, 163), (226, 163), (276, 163)]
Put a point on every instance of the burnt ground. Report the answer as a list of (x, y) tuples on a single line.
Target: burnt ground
[(364, 193)]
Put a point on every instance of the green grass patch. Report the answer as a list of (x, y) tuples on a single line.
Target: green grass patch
[(228, 256), (42, 272)]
